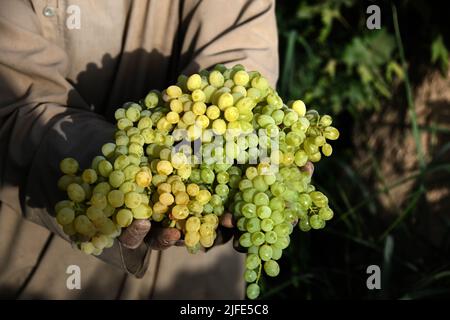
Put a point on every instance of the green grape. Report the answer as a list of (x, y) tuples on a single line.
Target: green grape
[(84, 226), (245, 240), (253, 225), (315, 221), (245, 184), (271, 237), (69, 166), (261, 199), (94, 213), (265, 252), (248, 194), (252, 261), (258, 238), (271, 268), (277, 217), (116, 198), (65, 215), (326, 213), (249, 210), (142, 211), (89, 176), (124, 217), (250, 275), (304, 225), (105, 168), (263, 212), (102, 188), (76, 192), (241, 224), (253, 291), (116, 178), (207, 175), (267, 224), (282, 242), (132, 200)]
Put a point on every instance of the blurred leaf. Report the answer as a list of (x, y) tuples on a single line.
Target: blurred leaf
[(439, 54)]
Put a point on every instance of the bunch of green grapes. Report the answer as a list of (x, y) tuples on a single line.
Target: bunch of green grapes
[(218, 141)]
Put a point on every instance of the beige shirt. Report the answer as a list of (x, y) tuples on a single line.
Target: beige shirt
[(65, 66)]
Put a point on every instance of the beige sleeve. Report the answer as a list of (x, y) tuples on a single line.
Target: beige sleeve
[(230, 32), (38, 128)]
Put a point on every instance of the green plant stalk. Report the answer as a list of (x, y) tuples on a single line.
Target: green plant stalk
[(409, 95)]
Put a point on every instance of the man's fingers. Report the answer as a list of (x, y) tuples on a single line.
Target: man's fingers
[(226, 220), (135, 233), (163, 238)]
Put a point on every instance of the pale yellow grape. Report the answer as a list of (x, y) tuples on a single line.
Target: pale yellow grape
[(132, 131), (164, 167), (193, 189), (116, 178), (198, 96), (178, 186), (108, 211), (331, 133), (231, 114), (100, 241), (173, 178), (164, 187), (143, 178), (128, 186), (106, 226), (202, 121), (181, 197), (194, 132), (213, 112), (216, 79), (124, 217), (116, 198), (189, 118), (225, 100), (119, 114), (133, 113), (211, 219), (241, 78), (194, 82), (132, 199), (191, 238), (229, 83), (144, 122), (108, 149), (207, 242), (143, 211), (87, 247), (174, 92), (136, 148), (299, 107), (84, 226), (327, 150), (75, 192), (180, 211), (65, 215), (166, 198), (137, 138), (124, 124), (178, 160), (164, 154), (195, 207), (89, 176), (239, 89), (69, 166), (102, 187), (193, 224), (62, 204), (94, 213), (176, 106), (159, 208), (64, 181), (206, 230), (109, 243), (219, 126), (145, 198), (130, 172), (69, 229), (203, 196), (105, 168), (172, 117), (315, 157)]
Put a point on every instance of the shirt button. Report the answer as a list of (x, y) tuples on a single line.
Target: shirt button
[(49, 12)]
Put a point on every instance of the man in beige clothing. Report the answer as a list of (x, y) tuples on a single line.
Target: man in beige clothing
[(65, 66)]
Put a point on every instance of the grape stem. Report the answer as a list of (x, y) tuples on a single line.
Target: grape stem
[(172, 223), (259, 272)]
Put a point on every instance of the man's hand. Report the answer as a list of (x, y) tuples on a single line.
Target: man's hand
[(157, 238)]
